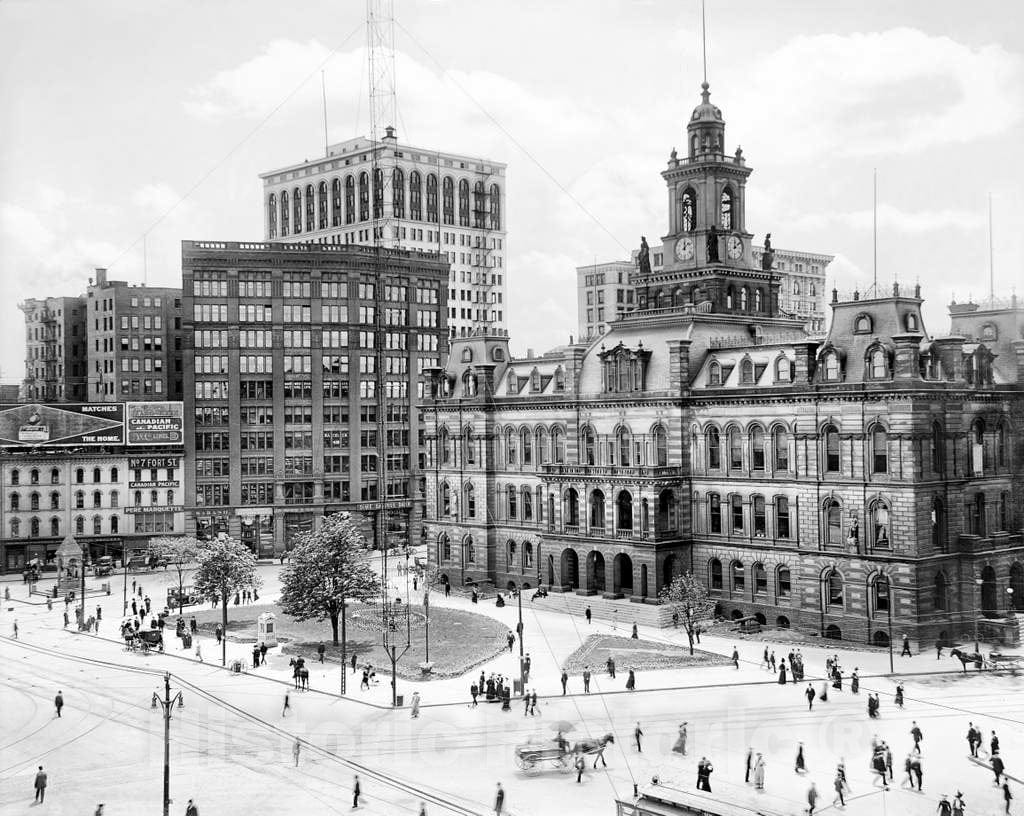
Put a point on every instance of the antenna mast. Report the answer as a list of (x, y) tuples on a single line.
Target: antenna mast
[(991, 259), (874, 229), (704, 37), (323, 92)]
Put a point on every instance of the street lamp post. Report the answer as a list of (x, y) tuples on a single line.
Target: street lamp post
[(889, 613), (519, 631), (124, 563), (978, 582), (167, 704)]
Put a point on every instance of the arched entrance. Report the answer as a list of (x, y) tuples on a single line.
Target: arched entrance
[(668, 571), (782, 622), (623, 574), (643, 580), (989, 603), (880, 638), (570, 569), (595, 571), (833, 632)]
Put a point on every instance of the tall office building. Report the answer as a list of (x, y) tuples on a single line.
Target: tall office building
[(304, 364), (134, 341), (55, 349), (436, 201)]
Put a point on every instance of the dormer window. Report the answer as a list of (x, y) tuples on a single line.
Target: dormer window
[(862, 324), (467, 355), (559, 379), (782, 369), (989, 332), (747, 372), (469, 382), (535, 380), (833, 372), (625, 369), (497, 354), (714, 374), (878, 364), (911, 322)]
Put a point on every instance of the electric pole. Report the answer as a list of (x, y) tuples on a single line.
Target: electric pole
[(167, 704)]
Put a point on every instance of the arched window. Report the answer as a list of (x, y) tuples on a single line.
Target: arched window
[(322, 206), (432, 199), (589, 446), (272, 216), (978, 453), (879, 450), (714, 374), (623, 440), (350, 199), (597, 510), (543, 449), (55, 476), (660, 446), (833, 373), (714, 448), (33, 501), (15, 502), (479, 205), (297, 210), (527, 504), (747, 372), (511, 497), (940, 593), (688, 211), (137, 498), (783, 582), (33, 476), (527, 438), (862, 324), (727, 209), (469, 447), (495, 207), (311, 208), (15, 477), (624, 510), (285, 214), (780, 449), (55, 500), (96, 478), (715, 574), (446, 500), (511, 446), (113, 524), (113, 474), (743, 298), (911, 322), (97, 525), (558, 445), (336, 203), (760, 517), (833, 512), (782, 517), (469, 500), (880, 593), (760, 579), (757, 447), (463, 203), (831, 443), (572, 507), (468, 551), (736, 511), (79, 499), (398, 192), (1002, 458), (443, 443), (80, 525), (527, 554), (938, 449), (714, 513), (879, 513), (33, 527), (415, 196), (364, 197), (758, 300), (735, 449), (834, 589), (115, 498), (378, 193), (878, 365), (15, 528), (97, 499), (783, 370), (738, 576), (728, 297)]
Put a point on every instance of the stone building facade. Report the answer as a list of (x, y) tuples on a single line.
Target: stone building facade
[(863, 485)]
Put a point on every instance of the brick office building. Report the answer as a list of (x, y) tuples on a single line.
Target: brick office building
[(828, 483), (303, 367), (56, 355)]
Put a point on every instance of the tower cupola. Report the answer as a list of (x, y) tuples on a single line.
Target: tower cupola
[(706, 128)]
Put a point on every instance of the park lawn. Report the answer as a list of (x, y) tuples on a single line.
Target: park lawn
[(637, 654), (459, 640)]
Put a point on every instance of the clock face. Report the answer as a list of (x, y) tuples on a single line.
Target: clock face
[(684, 249), (735, 247)]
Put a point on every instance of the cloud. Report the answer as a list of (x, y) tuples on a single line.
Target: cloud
[(158, 198), (890, 92), (894, 218)]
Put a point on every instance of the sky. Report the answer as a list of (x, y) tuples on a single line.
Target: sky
[(127, 127)]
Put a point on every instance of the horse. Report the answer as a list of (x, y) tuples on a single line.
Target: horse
[(594, 747), (967, 657), (302, 678)]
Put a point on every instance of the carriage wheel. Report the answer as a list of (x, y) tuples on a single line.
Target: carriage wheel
[(520, 762)]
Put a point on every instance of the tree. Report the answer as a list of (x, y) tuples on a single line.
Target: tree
[(179, 552), (689, 598), (328, 568), (225, 567)]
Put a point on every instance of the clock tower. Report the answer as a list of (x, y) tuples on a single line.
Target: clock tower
[(707, 250)]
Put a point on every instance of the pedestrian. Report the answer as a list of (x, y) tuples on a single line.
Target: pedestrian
[(838, 784), (66, 619), (510, 639), (915, 769), (356, 791), (680, 745), (565, 680), (764, 659), (320, 649), (771, 661), (905, 652), (759, 773), (994, 744), (800, 767), (1007, 796), (675, 620), (973, 738), (586, 680), (855, 681), (915, 732), (938, 656), (945, 808), (58, 701), (287, 705), (263, 653), (527, 665), (580, 764), (16, 626), (637, 733), (959, 806), (296, 747), (49, 604), (533, 703), (499, 798), (782, 673), (199, 652), (908, 777), (997, 767), (878, 766), (812, 799), (364, 683), (474, 691), (40, 785), (133, 586), (255, 656), (353, 662), (899, 701), (631, 680), (735, 657), (635, 634), (749, 765), (610, 665), (888, 759), (146, 601), (99, 810), (99, 613), (423, 809), (219, 633), (191, 809), (415, 711), (526, 704), (704, 769), (193, 627), (809, 694)]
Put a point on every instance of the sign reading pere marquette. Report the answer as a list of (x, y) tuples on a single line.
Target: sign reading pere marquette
[(31, 425), (155, 423)]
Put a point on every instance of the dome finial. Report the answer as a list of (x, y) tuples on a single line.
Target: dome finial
[(705, 93)]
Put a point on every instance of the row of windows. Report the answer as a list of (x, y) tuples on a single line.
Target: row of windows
[(34, 475), (758, 578), (35, 526)]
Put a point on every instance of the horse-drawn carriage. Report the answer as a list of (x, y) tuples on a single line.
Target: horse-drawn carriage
[(995, 661), (142, 640), (529, 756)]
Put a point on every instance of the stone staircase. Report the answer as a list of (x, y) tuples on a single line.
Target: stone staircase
[(624, 611)]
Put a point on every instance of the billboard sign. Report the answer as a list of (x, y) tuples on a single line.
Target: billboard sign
[(155, 423), (69, 424)]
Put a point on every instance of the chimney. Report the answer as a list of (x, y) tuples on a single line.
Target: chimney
[(803, 366), (101, 276), (907, 361), (950, 351), (679, 374)]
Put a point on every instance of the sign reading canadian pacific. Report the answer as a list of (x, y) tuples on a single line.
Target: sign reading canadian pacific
[(155, 423), (63, 425)]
